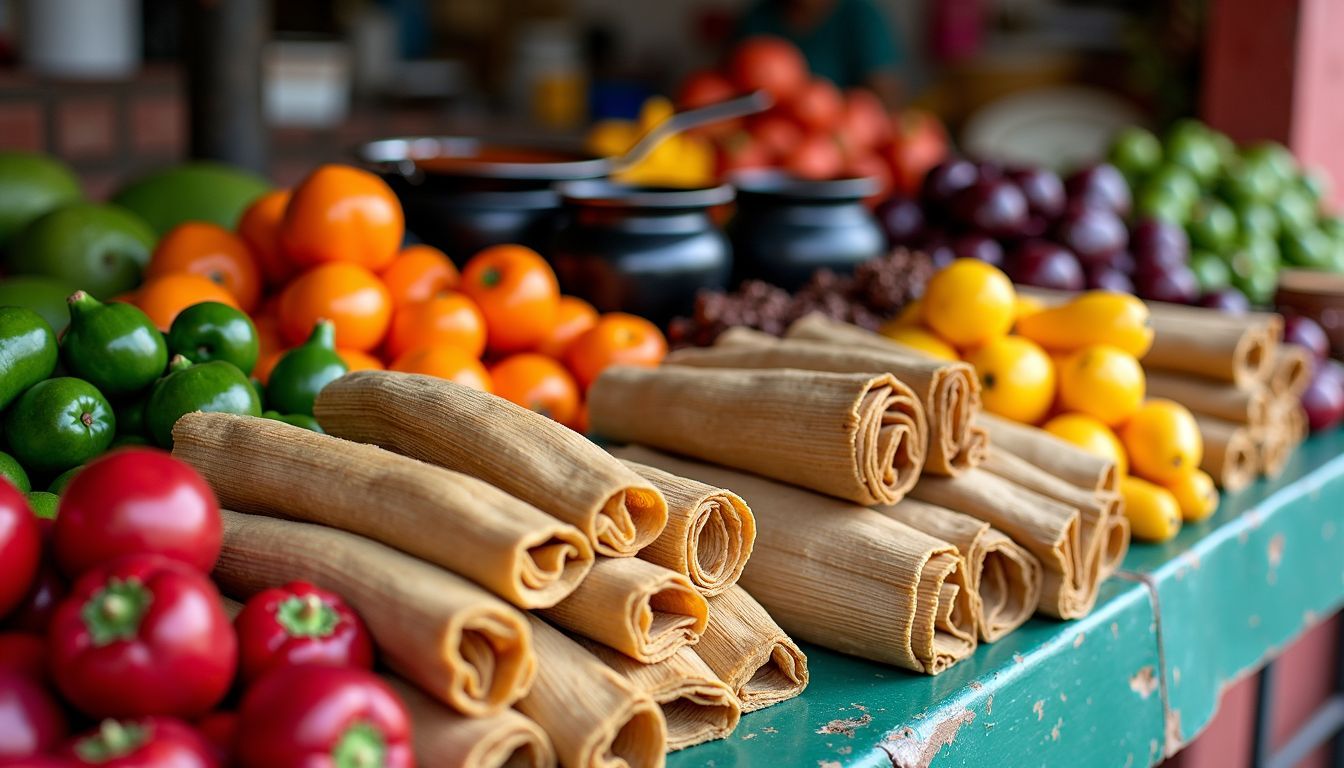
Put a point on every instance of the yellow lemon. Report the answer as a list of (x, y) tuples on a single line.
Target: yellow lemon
[(911, 314), (1154, 514), (1196, 495), (1090, 435), (1101, 381), (1163, 441), (655, 111), (1017, 379), (1026, 305), (922, 340), (611, 137), (1096, 317), (969, 303)]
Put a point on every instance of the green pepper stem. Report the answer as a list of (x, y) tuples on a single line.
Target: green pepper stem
[(113, 739), (115, 611), (323, 335), (361, 746), (179, 363), (307, 616)]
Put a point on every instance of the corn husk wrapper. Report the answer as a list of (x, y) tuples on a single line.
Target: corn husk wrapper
[(1233, 348), (453, 639), (856, 436), (1060, 458), (521, 452), (750, 652), (445, 739), (643, 610), (1230, 456), (1218, 399), (1290, 371), (594, 717), (709, 535), (473, 529), (846, 577)]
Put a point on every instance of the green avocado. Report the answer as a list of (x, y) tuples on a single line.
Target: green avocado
[(12, 471), (44, 504), (192, 192), (304, 371), (114, 347), (59, 423), (30, 185), (57, 485), (27, 351), (214, 331), (44, 295), (102, 249), (215, 387)]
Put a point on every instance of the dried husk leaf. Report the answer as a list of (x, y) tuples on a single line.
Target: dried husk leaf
[(750, 652), (1230, 457), (1059, 457), (445, 739), (1209, 397)]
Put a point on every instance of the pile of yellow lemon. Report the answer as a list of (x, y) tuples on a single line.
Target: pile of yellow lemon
[(1073, 369)]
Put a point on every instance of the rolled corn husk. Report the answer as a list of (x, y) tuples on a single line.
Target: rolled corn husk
[(453, 639), (1229, 453), (521, 452), (1219, 399), (445, 739), (1275, 445), (709, 535), (1208, 343), (595, 718), (263, 466), (750, 652), (1290, 371), (1060, 458), (643, 610), (697, 705), (846, 577), (231, 607), (856, 436), (1004, 577), (1049, 529), (950, 391)]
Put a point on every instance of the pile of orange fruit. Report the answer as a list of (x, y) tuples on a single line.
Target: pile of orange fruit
[(331, 249), (1072, 369)]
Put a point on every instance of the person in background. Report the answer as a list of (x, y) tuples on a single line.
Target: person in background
[(849, 42)]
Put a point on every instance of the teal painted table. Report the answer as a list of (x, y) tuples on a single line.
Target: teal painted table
[(1123, 687)]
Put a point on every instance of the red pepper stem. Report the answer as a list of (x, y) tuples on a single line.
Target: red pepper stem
[(114, 739), (115, 611), (306, 616), (361, 746)]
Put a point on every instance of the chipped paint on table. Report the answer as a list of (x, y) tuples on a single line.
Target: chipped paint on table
[(1094, 692)]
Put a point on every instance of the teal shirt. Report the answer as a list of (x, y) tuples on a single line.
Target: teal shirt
[(852, 43)]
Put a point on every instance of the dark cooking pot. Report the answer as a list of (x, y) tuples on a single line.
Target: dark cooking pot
[(461, 194), (640, 249), (786, 228)]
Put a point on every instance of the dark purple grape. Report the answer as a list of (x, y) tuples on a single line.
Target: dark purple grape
[(1092, 233), (1227, 300), (1174, 284), (988, 170), (1307, 332), (1120, 261), (991, 207), (1046, 265), (939, 249), (1109, 279), (1043, 189), (1036, 226), (945, 180), (1100, 186), (1160, 243), (1323, 398), (902, 219), (978, 247)]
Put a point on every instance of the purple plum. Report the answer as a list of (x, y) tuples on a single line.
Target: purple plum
[(1046, 265), (1323, 398), (902, 219), (991, 207), (1173, 284), (1227, 300), (945, 180), (1100, 186), (1094, 234), (978, 247), (1109, 279), (1308, 333), (1155, 242), (1043, 189)]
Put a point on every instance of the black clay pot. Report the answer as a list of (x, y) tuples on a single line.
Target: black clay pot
[(641, 250), (787, 228), (461, 194)]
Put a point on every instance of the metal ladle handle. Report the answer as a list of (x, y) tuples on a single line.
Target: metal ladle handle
[(752, 103)]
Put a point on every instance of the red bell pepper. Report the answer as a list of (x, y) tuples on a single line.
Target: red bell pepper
[(299, 624), (136, 501), (24, 652), (20, 547), (220, 730), (144, 635), (310, 715), (153, 742), (31, 721)]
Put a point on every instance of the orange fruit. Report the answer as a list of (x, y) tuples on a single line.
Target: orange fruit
[(1163, 441), (580, 421), (163, 297), (349, 295), (268, 333), (262, 370), (1102, 381), (573, 316), (211, 251), (419, 272), (259, 227), (969, 303), (343, 214), (517, 292), (1017, 378), (447, 363), (359, 361), (448, 319), (616, 339), (538, 383)]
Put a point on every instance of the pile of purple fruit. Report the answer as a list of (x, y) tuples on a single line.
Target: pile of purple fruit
[(1064, 233)]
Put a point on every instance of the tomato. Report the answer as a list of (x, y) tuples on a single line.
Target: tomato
[(573, 316), (348, 295), (617, 339), (25, 653), (870, 165), (259, 227), (446, 362), (517, 292), (777, 133), (153, 742), (312, 715), (136, 501), (20, 547), (33, 613), (418, 273), (816, 157), (340, 213), (142, 635), (769, 64), (220, 731), (705, 87), (865, 120), (451, 319), (164, 297), (31, 721), (213, 252), (299, 624), (538, 383), (920, 143), (818, 106)]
